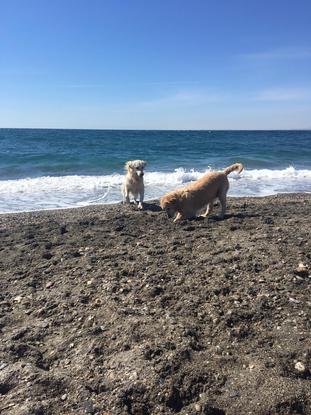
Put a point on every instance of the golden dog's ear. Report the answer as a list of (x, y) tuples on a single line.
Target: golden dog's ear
[(174, 201), (169, 199)]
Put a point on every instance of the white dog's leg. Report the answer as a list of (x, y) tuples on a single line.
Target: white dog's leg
[(141, 199), (126, 195), (135, 198)]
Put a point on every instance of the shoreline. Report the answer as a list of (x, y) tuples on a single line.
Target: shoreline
[(107, 309), (146, 202)]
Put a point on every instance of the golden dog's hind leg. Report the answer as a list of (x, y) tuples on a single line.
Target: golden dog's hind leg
[(209, 209), (223, 202)]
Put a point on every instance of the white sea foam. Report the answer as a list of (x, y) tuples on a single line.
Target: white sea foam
[(73, 191)]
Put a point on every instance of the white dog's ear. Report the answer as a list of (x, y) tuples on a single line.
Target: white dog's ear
[(128, 165)]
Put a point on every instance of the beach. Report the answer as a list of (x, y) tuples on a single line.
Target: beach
[(109, 310)]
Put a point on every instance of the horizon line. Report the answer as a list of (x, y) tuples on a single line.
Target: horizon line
[(156, 129)]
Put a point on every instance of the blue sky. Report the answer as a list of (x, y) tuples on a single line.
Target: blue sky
[(155, 64)]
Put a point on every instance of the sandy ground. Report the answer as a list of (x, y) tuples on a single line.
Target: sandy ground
[(108, 310)]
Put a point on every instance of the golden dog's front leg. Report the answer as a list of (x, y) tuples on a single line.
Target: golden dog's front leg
[(178, 217)]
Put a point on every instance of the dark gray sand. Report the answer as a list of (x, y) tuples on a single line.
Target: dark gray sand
[(108, 310)]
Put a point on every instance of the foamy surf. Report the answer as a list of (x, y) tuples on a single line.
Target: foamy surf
[(47, 192)]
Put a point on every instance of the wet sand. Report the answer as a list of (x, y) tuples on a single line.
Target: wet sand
[(109, 310)]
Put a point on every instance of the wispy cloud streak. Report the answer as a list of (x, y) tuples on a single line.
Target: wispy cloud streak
[(291, 53), (183, 98), (151, 83), (284, 94)]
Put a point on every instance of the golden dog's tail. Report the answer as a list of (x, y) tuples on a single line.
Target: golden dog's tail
[(236, 166)]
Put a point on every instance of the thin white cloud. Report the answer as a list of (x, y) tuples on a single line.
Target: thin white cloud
[(284, 94), (290, 53), (201, 99), (182, 98), (151, 83)]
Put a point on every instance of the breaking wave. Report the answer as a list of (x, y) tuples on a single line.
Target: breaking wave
[(49, 192)]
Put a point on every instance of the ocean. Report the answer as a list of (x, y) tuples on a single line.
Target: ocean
[(50, 169)]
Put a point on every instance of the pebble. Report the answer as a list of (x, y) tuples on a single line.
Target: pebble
[(302, 270), (293, 300), (47, 255), (18, 299), (88, 407), (3, 365), (197, 407), (48, 284), (234, 394), (64, 397), (300, 367)]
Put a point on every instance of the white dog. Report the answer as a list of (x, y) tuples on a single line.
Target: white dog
[(134, 182)]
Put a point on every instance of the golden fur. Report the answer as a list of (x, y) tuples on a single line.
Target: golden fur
[(187, 201)]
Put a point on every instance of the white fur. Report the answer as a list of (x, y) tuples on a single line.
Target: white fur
[(134, 182)]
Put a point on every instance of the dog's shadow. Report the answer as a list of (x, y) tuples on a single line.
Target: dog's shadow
[(152, 207), (148, 206), (217, 218), (227, 216)]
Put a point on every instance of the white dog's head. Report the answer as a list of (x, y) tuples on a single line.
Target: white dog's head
[(135, 167)]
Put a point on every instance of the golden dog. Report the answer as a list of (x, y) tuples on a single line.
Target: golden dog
[(186, 202)]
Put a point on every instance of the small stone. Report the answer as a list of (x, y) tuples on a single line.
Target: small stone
[(48, 284), (3, 365), (302, 270), (293, 300), (234, 393), (63, 229), (47, 255), (301, 267), (197, 407), (64, 397), (300, 367), (18, 299), (88, 407)]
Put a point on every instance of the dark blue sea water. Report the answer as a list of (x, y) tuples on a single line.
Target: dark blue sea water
[(41, 169)]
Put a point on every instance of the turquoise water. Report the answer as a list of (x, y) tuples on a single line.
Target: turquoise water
[(42, 169)]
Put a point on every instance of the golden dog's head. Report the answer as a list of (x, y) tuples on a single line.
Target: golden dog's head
[(169, 203)]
